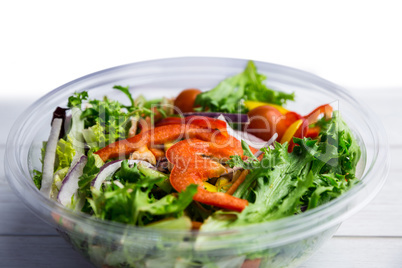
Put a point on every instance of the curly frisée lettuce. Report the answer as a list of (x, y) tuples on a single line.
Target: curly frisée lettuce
[(284, 184)]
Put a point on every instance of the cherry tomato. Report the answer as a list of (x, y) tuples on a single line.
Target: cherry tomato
[(185, 100), (265, 121)]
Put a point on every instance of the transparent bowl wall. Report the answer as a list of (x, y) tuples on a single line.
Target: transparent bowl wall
[(282, 243)]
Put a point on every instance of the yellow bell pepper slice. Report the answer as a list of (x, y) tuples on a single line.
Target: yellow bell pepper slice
[(290, 132), (223, 184), (209, 187), (168, 145), (254, 104)]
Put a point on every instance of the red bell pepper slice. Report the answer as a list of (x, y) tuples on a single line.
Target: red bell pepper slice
[(325, 109), (313, 132)]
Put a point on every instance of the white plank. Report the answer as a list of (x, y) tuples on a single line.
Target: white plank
[(395, 154), (385, 103), (349, 252), (383, 216), (2, 173), (39, 251), (17, 219)]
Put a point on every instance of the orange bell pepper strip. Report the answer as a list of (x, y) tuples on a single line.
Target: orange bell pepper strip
[(193, 164), (170, 121), (202, 121), (158, 153), (204, 130), (152, 138)]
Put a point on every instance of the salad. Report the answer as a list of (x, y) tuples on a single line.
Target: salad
[(227, 157)]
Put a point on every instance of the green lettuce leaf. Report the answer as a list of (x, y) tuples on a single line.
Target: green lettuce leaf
[(126, 91), (76, 99), (96, 137), (237, 161), (131, 197), (91, 169), (336, 162), (229, 94), (170, 204), (37, 175), (101, 122), (127, 173), (107, 113), (37, 178), (65, 153), (107, 121), (135, 204), (182, 223)]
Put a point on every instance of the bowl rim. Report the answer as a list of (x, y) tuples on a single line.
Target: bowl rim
[(379, 166)]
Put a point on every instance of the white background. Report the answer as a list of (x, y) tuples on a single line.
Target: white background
[(44, 44)]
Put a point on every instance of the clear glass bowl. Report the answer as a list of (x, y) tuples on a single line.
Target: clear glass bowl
[(283, 243)]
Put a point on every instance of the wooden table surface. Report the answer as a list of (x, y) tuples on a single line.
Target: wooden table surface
[(370, 238)]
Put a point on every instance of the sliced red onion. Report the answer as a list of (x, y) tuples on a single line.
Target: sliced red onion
[(109, 168), (50, 156), (67, 122), (232, 118), (61, 113), (69, 186), (75, 160)]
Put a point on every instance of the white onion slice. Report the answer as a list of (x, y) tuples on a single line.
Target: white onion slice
[(69, 186), (109, 168), (50, 156), (250, 139)]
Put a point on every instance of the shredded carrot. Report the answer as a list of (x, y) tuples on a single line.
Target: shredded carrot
[(196, 225), (158, 153), (237, 183), (251, 263)]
